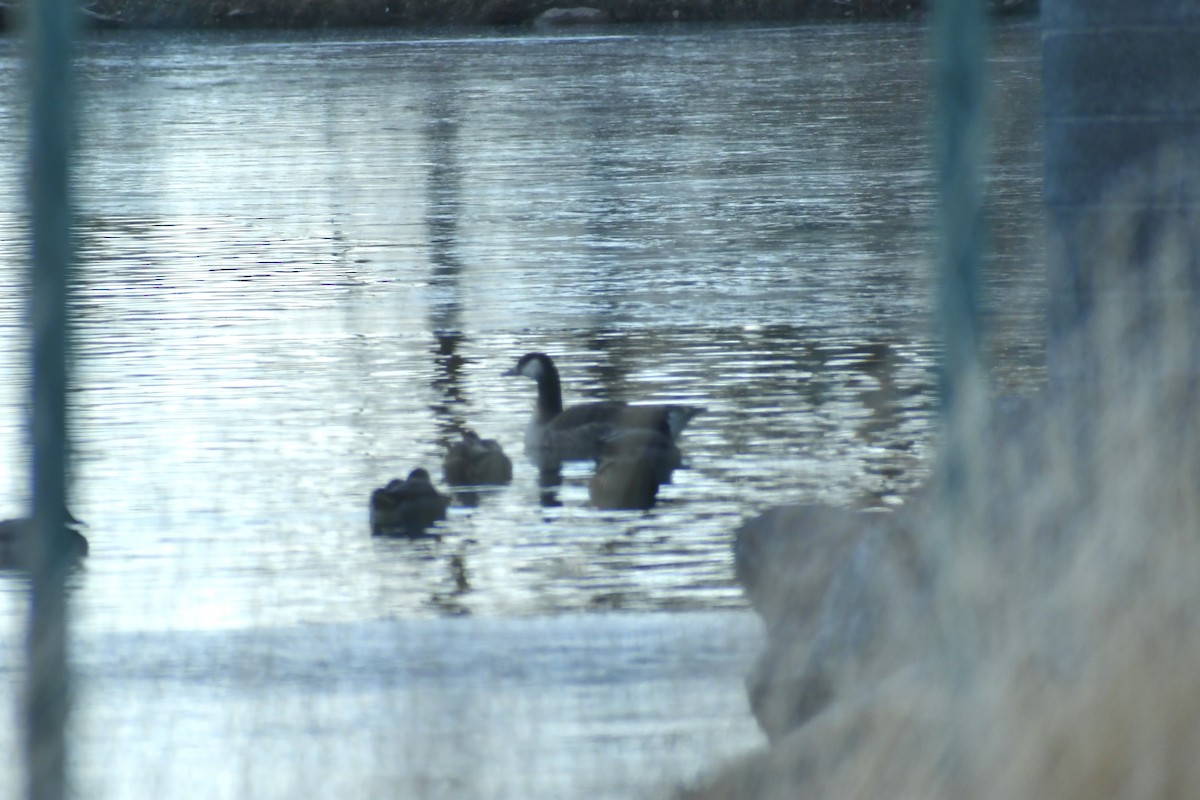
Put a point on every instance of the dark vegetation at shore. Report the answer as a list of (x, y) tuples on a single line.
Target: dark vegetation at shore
[(461, 13)]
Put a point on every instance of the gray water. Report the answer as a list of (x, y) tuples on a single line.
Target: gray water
[(305, 261)]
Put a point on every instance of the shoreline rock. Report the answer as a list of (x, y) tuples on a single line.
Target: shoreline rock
[(842, 593), (957, 646)]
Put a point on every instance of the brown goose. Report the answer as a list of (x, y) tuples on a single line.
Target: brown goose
[(476, 462), (624, 483), (577, 433), (651, 447), (630, 468)]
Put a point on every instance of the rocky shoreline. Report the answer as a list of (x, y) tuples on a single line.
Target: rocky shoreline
[(1035, 637), (210, 14)]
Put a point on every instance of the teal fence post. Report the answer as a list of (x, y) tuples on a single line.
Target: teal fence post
[(960, 52), (50, 28), (960, 49)]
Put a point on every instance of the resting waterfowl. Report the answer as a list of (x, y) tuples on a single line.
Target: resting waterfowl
[(630, 468), (577, 433), (408, 506), (653, 448), (627, 483), (476, 462), (15, 542)]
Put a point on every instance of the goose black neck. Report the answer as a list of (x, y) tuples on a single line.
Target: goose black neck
[(549, 399)]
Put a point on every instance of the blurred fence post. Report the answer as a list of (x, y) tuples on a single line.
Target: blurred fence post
[(960, 56), (50, 27), (1122, 112), (960, 50)]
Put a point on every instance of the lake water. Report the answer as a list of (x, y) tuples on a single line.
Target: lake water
[(305, 261)]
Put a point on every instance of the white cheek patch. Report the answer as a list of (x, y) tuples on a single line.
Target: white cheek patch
[(532, 369)]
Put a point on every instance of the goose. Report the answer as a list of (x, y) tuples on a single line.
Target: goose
[(14, 542), (576, 433), (631, 467), (476, 462), (624, 484), (407, 506), (652, 447)]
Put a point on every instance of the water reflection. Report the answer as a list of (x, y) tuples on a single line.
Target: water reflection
[(444, 207), (305, 263)]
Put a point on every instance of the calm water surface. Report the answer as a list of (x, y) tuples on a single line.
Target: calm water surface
[(305, 261)]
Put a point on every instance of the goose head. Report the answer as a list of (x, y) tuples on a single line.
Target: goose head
[(536, 366)]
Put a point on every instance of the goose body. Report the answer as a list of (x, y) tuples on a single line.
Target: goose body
[(407, 506), (476, 462), (577, 433), (624, 483), (631, 467), (652, 448), (15, 544)]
